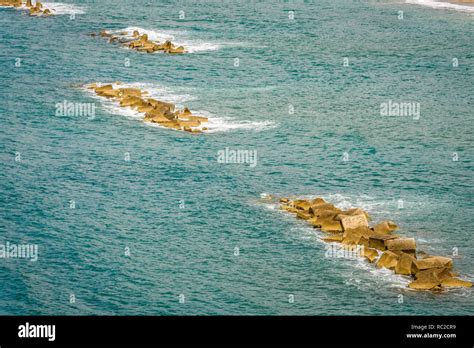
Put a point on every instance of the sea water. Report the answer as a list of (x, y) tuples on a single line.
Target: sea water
[(130, 218)]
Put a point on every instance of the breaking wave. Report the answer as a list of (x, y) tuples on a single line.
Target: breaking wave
[(59, 8), (442, 5)]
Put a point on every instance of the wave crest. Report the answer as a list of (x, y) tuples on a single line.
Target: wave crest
[(59, 8), (442, 5)]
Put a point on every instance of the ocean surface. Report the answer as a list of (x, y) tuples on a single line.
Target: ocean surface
[(133, 219)]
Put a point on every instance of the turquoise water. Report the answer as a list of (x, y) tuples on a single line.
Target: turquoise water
[(283, 65)]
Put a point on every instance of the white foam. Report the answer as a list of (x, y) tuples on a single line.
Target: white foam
[(442, 5), (112, 108), (177, 37), (153, 35), (371, 274), (383, 275), (364, 280), (227, 124), (59, 8)]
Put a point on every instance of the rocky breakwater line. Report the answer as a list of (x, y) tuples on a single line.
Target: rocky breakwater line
[(141, 43), (37, 10), (378, 244), (155, 111)]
